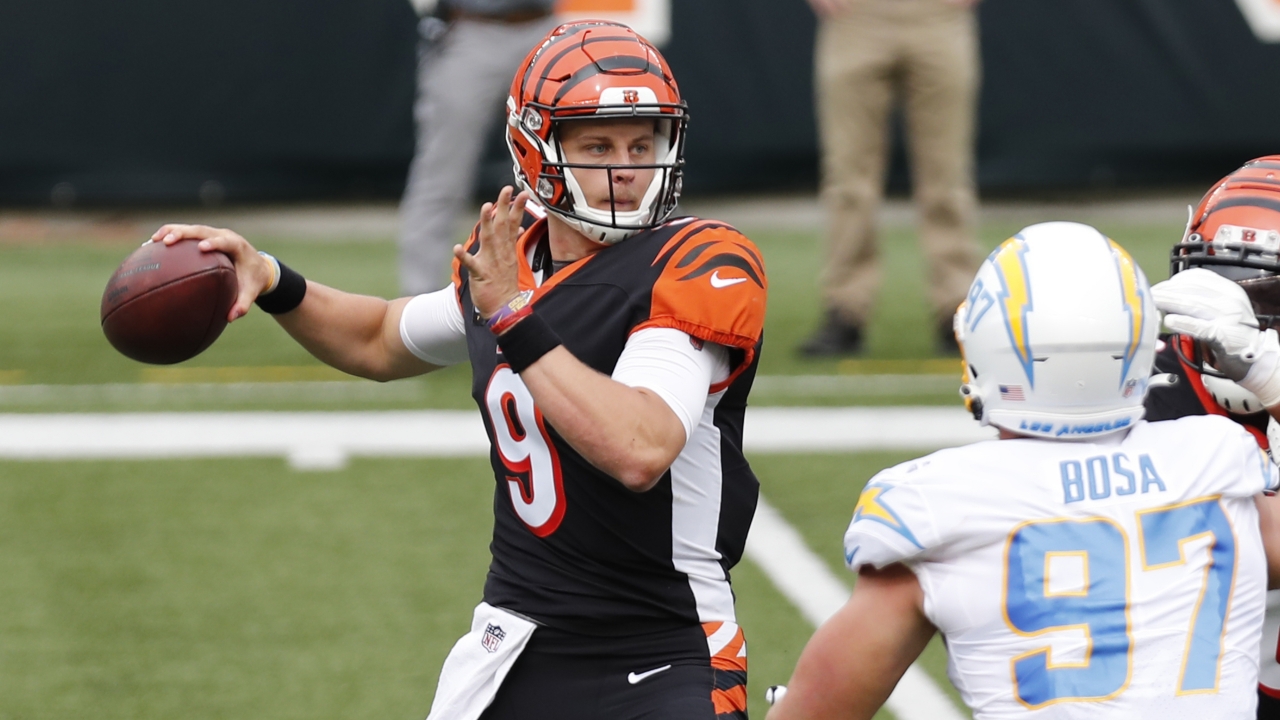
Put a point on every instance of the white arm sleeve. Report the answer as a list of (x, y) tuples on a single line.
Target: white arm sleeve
[(433, 330), (667, 362)]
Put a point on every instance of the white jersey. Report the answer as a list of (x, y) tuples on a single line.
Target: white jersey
[(1120, 579)]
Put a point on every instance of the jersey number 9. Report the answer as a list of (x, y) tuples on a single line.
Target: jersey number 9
[(527, 452)]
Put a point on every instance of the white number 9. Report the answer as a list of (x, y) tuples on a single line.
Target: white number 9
[(530, 457)]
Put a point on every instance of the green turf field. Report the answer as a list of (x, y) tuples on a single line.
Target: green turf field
[(240, 588), (50, 333)]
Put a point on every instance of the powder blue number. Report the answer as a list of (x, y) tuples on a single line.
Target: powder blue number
[(1164, 531), (1101, 610)]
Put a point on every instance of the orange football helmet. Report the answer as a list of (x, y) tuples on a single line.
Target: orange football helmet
[(595, 69), (1235, 232)]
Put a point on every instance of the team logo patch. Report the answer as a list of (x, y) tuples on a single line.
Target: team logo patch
[(872, 506), (493, 636)]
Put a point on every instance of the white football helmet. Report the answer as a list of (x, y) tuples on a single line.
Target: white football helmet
[(1058, 335)]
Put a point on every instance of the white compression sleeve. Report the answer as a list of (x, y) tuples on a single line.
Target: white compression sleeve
[(666, 362), (433, 329)]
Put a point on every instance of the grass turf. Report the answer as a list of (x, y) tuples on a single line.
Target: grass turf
[(238, 588), (51, 335)]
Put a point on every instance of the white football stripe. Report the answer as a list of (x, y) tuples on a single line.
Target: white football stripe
[(430, 433), (809, 584)]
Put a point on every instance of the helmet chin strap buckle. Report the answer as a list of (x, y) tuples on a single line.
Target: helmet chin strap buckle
[(1162, 380), (971, 401)]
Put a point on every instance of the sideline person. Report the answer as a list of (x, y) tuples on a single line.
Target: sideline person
[(870, 56), (467, 50)]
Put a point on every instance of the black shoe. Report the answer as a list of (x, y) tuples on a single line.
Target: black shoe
[(946, 344), (835, 338)]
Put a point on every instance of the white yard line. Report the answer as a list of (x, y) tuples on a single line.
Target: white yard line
[(802, 577), (325, 440), (149, 395), (843, 386)]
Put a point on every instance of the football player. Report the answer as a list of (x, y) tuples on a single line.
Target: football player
[(1085, 564), (1226, 268), (612, 349)]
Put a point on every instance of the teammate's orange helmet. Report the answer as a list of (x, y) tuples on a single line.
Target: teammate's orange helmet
[(1235, 232), (595, 69)]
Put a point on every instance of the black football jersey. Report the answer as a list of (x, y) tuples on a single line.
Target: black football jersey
[(1188, 395), (572, 547)]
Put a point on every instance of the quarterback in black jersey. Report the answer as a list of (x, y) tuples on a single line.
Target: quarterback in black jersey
[(1223, 297), (612, 349)]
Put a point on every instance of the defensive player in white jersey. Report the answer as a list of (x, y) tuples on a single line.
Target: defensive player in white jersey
[(1087, 564)]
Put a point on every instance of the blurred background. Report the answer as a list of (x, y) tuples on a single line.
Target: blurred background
[(143, 581), (241, 101)]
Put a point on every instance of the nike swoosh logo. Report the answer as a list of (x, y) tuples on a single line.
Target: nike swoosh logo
[(718, 282), (635, 678)]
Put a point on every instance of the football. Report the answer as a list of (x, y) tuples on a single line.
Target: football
[(166, 304)]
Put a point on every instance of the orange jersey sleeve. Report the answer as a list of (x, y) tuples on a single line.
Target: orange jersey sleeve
[(712, 287)]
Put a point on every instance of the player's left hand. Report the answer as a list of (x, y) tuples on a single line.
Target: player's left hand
[(494, 269), (1209, 307)]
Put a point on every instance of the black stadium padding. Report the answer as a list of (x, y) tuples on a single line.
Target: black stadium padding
[(243, 100)]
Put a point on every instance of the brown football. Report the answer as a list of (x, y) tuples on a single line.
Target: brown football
[(166, 304)]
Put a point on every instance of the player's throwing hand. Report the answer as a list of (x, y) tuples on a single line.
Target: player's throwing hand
[(494, 268), (254, 272)]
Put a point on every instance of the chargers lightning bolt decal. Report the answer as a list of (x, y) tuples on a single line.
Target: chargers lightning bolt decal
[(1133, 291), (871, 506), (1015, 299)]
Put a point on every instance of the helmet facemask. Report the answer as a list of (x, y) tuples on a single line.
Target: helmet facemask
[(560, 191), (586, 71), (1235, 232)]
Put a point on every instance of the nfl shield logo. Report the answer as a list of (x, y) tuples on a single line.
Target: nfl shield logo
[(493, 635)]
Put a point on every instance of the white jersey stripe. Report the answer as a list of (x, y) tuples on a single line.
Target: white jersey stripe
[(696, 486)]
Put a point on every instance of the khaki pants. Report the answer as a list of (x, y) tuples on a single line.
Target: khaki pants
[(923, 53)]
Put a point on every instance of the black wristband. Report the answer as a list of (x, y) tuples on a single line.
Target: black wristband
[(527, 341), (288, 295)]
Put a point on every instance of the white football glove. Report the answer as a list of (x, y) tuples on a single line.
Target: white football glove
[(774, 693), (1210, 308)]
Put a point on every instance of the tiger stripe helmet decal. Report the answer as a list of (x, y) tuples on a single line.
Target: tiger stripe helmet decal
[(595, 69)]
